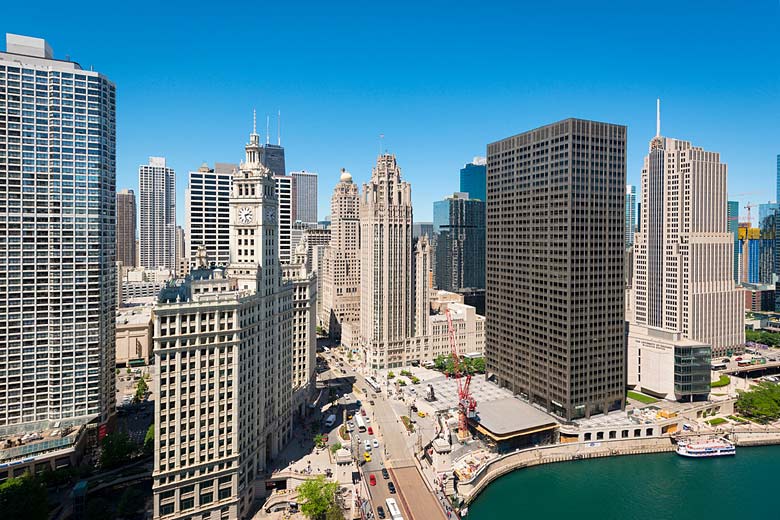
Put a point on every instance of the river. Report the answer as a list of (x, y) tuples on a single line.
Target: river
[(639, 487)]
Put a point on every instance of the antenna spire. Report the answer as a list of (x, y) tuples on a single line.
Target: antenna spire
[(279, 128), (267, 131), (658, 117), (254, 121)]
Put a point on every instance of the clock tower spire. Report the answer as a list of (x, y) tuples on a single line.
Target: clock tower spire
[(254, 235)]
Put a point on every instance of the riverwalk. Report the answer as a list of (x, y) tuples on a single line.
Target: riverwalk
[(469, 489)]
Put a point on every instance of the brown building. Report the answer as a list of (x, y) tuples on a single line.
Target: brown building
[(555, 262), (125, 228)]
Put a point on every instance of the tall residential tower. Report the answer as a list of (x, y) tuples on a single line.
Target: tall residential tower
[(157, 185), (58, 248)]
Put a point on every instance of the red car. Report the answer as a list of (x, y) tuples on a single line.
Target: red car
[(372, 479), (370, 430), (363, 413), (737, 359)]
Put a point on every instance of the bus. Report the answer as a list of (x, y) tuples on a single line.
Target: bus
[(361, 424), (393, 510), (719, 366), (745, 363), (373, 384)]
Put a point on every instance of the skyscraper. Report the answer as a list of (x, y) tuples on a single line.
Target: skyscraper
[(473, 179), (630, 214), (207, 211), (228, 332), (423, 278), (272, 157), (58, 249), (777, 179), (386, 266), (459, 228), (285, 186), (685, 301), (767, 216), (305, 196), (125, 227), (733, 227), (341, 259), (157, 185), (555, 260)]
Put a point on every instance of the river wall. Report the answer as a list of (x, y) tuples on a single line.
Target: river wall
[(468, 490)]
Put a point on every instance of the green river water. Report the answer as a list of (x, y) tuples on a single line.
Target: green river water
[(640, 487)]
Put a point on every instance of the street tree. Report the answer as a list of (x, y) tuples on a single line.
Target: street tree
[(317, 497)]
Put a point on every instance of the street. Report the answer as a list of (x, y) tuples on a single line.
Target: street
[(394, 453)]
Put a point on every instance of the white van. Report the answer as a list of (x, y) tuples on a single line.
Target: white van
[(330, 421), (393, 510)]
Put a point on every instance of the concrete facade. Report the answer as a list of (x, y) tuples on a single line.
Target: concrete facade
[(386, 304), (555, 261), (157, 185), (683, 281), (341, 260), (223, 345), (305, 196), (134, 335), (58, 286)]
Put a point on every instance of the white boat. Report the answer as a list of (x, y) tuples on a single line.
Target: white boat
[(716, 447)]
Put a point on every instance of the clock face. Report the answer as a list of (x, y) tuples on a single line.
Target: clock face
[(270, 215), (245, 215)]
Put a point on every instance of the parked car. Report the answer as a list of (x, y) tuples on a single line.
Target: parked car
[(363, 413), (385, 474), (367, 457), (372, 480), (420, 414), (391, 487), (367, 444), (380, 512), (370, 430), (375, 443), (371, 402)]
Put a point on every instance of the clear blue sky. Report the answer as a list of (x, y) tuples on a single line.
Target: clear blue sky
[(439, 79)]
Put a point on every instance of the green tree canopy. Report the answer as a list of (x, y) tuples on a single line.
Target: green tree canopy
[(23, 497), (117, 448), (317, 497), (149, 440), (762, 403)]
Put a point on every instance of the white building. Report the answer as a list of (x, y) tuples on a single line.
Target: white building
[(57, 246), (340, 301), (157, 196), (684, 297), (223, 346), (305, 196), (386, 304), (207, 200), (304, 334)]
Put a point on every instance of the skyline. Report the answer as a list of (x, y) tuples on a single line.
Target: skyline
[(190, 99)]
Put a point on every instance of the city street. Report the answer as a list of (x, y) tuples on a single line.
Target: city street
[(394, 452)]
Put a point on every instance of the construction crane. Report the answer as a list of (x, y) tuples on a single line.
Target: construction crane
[(467, 405), (748, 207)]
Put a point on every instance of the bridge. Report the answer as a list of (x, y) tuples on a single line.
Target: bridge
[(752, 368)]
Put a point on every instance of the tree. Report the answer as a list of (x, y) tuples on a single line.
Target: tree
[(98, 509), (117, 450), (320, 439), (390, 375), (23, 497), (149, 440), (132, 500), (317, 497), (141, 389), (761, 404), (336, 447)]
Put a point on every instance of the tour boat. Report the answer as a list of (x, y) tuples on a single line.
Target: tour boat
[(717, 447)]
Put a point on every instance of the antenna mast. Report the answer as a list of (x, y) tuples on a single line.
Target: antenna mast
[(658, 117), (279, 128)]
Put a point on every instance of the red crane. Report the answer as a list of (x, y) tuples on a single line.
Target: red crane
[(467, 405)]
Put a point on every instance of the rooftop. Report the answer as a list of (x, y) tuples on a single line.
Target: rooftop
[(510, 415)]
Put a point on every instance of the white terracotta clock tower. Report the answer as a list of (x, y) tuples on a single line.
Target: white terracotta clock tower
[(254, 263)]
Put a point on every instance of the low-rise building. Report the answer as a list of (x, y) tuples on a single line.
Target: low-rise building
[(133, 336)]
